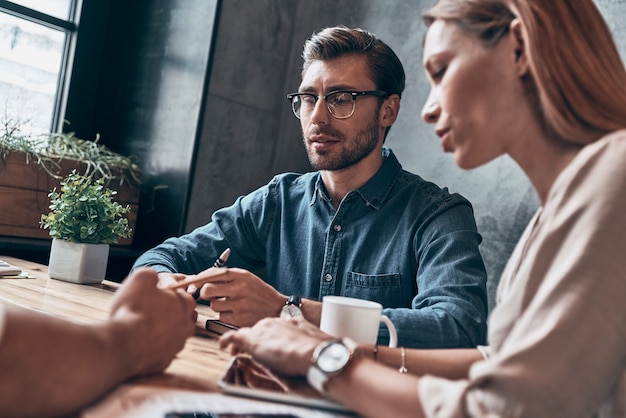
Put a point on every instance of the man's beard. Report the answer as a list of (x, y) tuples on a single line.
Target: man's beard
[(362, 145)]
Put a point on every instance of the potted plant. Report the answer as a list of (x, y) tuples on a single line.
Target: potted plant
[(83, 221), (32, 164)]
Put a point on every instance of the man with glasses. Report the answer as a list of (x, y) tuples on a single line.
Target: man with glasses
[(359, 226)]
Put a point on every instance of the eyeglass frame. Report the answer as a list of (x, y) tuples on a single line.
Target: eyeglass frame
[(353, 94)]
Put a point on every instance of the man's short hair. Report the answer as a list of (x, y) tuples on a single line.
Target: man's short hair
[(386, 69)]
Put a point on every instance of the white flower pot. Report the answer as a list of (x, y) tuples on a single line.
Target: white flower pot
[(78, 263)]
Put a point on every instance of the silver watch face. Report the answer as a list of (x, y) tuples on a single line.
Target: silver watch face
[(334, 358), (290, 311)]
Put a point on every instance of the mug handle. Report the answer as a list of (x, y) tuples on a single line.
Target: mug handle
[(393, 334)]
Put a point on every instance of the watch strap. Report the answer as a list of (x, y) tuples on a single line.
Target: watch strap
[(294, 300), (317, 379)]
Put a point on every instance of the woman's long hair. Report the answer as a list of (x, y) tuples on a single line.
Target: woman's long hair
[(578, 76)]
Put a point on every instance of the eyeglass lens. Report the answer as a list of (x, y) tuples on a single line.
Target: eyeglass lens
[(340, 104)]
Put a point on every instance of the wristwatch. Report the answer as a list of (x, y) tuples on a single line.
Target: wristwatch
[(329, 359), (292, 307)]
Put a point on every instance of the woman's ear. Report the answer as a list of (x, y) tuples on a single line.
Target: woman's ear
[(521, 55)]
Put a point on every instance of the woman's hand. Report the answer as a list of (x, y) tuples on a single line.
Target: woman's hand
[(284, 345)]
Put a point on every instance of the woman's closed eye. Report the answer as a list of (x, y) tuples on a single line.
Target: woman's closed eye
[(438, 74)]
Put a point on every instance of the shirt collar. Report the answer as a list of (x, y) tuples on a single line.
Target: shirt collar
[(375, 191)]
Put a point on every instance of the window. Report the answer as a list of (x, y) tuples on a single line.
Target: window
[(36, 41)]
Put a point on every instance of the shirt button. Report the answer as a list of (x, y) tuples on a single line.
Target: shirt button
[(328, 277), (337, 228)]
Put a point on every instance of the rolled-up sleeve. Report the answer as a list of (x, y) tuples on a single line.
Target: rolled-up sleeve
[(450, 307)]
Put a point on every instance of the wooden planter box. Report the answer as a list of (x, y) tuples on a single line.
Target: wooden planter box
[(24, 189)]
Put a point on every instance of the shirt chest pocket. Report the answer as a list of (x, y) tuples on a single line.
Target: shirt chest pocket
[(385, 289)]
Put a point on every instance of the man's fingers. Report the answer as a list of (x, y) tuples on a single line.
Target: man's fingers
[(212, 274)]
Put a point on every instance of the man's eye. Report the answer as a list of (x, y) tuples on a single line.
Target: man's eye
[(341, 99), (308, 100)]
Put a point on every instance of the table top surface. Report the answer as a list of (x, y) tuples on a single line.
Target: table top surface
[(197, 367)]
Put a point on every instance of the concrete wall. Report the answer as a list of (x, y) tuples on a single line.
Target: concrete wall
[(249, 133)]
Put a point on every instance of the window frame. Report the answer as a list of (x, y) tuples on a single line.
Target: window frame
[(70, 28)]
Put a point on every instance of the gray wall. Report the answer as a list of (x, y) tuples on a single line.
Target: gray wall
[(249, 133)]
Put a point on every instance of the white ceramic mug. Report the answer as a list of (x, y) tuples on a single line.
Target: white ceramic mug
[(357, 319)]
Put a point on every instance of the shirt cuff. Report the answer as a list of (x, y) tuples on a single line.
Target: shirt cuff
[(441, 397), (485, 351)]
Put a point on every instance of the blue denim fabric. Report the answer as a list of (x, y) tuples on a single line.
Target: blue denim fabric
[(397, 240)]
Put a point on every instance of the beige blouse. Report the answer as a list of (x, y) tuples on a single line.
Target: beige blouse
[(558, 334)]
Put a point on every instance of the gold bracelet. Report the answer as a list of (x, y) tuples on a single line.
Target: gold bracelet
[(376, 352), (403, 368)]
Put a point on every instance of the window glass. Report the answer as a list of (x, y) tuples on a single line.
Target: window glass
[(57, 8), (30, 64)]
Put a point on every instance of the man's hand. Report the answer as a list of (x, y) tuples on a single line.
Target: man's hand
[(242, 298)]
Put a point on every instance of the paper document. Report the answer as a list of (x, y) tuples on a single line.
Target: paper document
[(7, 269)]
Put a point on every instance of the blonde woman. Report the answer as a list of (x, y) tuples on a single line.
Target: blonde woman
[(543, 82)]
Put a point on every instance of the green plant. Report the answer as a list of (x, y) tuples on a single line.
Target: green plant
[(84, 211), (50, 148)]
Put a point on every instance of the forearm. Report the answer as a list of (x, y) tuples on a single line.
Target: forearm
[(166, 258), (50, 366), (312, 311), (197, 250), (373, 386), (189, 254), (447, 363), (374, 390)]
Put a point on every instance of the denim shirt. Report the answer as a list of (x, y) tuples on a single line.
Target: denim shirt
[(397, 240)]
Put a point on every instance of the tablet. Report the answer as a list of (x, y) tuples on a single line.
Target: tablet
[(298, 391)]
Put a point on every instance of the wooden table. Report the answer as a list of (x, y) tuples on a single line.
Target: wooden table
[(196, 368)]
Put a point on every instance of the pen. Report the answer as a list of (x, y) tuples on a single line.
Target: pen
[(221, 260)]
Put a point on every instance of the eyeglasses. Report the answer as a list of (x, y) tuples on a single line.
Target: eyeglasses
[(340, 103)]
